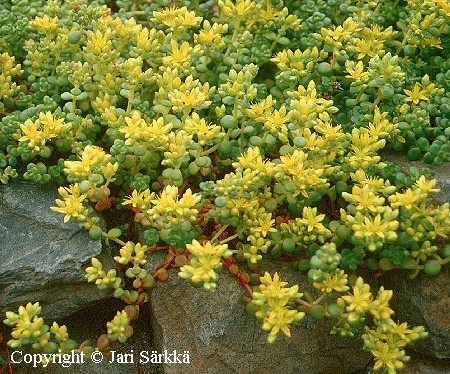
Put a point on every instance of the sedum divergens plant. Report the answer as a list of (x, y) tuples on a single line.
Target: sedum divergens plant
[(233, 132)]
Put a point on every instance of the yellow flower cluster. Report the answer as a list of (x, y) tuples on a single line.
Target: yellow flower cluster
[(155, 135), (169, 209), (206, 258), (300, 175), (29, 328), (273, 302), (206, 133), (8, 70), (298, 63), (72, 206), (132, 253), (306, 107), (373, 230), (177, 19), (93, 160), (333, 282), (119, 328), (37, 133), (44, 24)]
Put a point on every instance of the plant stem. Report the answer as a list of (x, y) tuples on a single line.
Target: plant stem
[(222, 229), (236, 25), (217, 145), (229, 239), (320, 298)]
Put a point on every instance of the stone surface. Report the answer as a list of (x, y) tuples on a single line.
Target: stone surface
[(426, 365), (222, 338), (442, 173), (90, 323), (42, 258), (424, 301)]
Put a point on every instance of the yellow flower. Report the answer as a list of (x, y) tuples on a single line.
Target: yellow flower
[(386, 357), (157, 133), (426, 186), (375, 227), (169, 208), (273, 301), (90, 157), (72, 206), (269, 13), (333, 282), (206, 133), (434, 41), (367, 47), (179, 56), (312, 220), (109, 170), (33, 134), (416, 94), (44, 128), (275, 122), (252, 160), (357, 72), (205, 259), (364, 198), (406, 199), (134, 126), (242, 9), (380, 127), (339, 34), (139, 199), (185, 101), (279, 320), (52, 126), (380, 306), (177, 18), (265, 225), (97, 42), (211, 36), (260, 110), (208, 249), (361, 298), (44, 24)]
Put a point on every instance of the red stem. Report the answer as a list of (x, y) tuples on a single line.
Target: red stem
[(8, 365)]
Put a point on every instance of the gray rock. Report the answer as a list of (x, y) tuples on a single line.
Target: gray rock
[(427, 365), (424, 301), (42, 258), (90, 323), (442, 173), (221, 338)]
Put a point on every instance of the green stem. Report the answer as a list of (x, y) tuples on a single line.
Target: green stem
[(377, 99), (274, 43), (241, 140), (320, 298), (118, 241), (218, 233), (237, 24), (196, 7), (229, 239), (74, 103), (358, 98), (129, 101), (264, 138), (217, 145), (402, 45)]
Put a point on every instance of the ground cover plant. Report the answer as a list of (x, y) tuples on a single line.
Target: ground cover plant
[(232, 131)]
